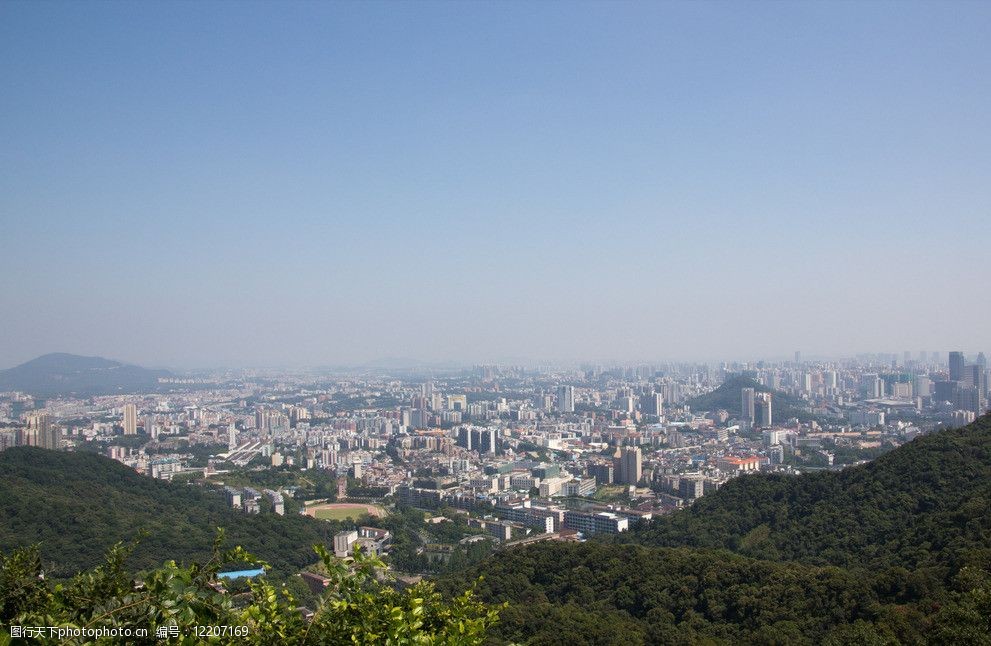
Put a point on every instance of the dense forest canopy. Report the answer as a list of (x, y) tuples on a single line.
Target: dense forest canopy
[(76, 506)]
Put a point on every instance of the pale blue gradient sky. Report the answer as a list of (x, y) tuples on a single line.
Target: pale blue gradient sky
[(195, 184)]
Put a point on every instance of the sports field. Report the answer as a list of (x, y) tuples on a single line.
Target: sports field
[(342, 510)]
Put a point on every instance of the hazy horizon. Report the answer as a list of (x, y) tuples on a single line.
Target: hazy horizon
[(196, 185)]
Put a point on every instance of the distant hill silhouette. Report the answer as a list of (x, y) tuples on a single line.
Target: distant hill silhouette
[(727, 396), (64, 374)]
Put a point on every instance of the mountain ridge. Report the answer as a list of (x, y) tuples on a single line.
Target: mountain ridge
[(62, 373)]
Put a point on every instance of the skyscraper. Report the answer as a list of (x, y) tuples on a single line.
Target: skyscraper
[(652, 403), (566, 399), (130, 419), (956, 366), (762, 412), (747, 404)]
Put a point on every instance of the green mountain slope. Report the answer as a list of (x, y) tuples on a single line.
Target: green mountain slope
[(77, 505), (894, 552), (924, 505)]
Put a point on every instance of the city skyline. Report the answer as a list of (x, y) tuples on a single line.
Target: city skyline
[(333, 184)]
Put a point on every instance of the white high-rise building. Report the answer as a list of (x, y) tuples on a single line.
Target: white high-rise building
[(130, 419)]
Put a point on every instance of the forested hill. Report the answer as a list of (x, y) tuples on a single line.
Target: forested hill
[(728, 397), (77, 505), (894, 552), (926, 504)]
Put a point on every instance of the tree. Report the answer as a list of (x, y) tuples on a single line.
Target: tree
[(359, 606)]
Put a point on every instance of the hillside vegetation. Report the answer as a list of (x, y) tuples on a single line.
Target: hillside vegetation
[(924, 506), (76, 506)]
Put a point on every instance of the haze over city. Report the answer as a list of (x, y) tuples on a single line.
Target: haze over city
[(312, 184)]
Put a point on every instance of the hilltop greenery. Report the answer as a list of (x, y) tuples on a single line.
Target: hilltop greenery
[(600, 593), (76, 506), (925, 506)]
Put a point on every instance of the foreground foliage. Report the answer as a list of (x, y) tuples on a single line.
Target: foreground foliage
[(358, 607)]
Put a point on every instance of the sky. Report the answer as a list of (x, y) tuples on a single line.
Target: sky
[(195, 184)]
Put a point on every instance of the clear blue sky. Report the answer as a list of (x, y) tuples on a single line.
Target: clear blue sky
[(221, 183)]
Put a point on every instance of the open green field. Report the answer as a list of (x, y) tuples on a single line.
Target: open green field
[(609, 493)]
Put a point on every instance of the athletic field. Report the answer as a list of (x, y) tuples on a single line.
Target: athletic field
[(342, 510)]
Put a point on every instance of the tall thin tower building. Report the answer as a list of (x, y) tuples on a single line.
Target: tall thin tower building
[(748, 400), (130, 419)]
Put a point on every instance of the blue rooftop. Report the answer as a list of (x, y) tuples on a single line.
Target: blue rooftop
[(241, 574)]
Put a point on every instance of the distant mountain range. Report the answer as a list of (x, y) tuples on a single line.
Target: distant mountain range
[(70, 374)]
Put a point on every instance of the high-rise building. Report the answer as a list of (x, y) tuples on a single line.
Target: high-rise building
[(40, 432), (968, 398), (975, 377), (873, 386), (956, 366), (261, 420), (945, 391), (464, 437), (652, 403), (630, 465), (747, 396), (603, 473), (762, 410), (566, 399), (130, 419)]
